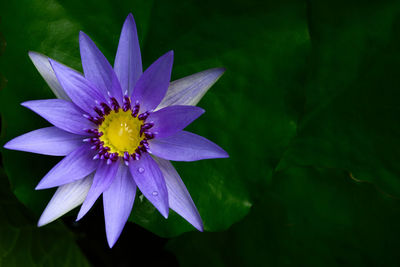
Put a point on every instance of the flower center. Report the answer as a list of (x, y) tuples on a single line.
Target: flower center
[(121, 132)]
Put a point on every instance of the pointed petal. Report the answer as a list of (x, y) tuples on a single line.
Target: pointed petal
[(151, 87), (75, 166), (81, 91), (170, 120), (189, 90), (118, 202), (178, 196), (62, 114), (47, 141), (97, 69), (128, 61), (42, 64), (150, 181), (103, 178), (185, 146), (66, 198)]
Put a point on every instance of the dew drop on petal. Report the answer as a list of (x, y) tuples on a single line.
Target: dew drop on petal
[(155, 193), (140, 170)]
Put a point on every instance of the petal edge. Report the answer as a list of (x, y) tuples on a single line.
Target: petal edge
[(179, 198), (43, 66), (128, 60), (172, 119), (152, 85), (190, 89), (66, 198), (148, 177), (46, 141), (185, 146), (97, 69), (118, 202)]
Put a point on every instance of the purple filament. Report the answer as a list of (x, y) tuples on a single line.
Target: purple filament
[(102, 110)]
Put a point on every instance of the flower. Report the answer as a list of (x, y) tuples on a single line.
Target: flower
[(118, 128)]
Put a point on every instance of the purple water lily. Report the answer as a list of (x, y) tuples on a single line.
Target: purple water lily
[(118, 128)]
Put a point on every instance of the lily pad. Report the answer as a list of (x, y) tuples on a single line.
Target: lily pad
[(23, 244), (351, 120), (308, 217)]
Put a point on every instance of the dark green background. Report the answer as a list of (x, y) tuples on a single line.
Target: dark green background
[(308, 110)]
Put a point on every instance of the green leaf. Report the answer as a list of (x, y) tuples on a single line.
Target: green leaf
[(251, 111), (308, 217), (320, 213), (352, 113), (23, 244)]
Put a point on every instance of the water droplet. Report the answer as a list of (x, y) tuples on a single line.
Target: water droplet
[(140, 170), (155, 193)]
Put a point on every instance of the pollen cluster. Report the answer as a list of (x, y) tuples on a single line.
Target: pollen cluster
[(121, 132)]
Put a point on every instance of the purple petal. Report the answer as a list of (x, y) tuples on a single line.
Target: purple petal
[(62, 114), (97, 69), (118, 202), (128, 61), (47, 141), (150, 181), (42, 64), (66, 198), (103, 178), (75, 166), (189, 90), (80, 90), (170, 120), (185, 146), (151, 87), (178, 196)]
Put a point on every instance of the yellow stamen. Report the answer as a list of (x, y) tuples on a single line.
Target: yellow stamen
[(121, 132)]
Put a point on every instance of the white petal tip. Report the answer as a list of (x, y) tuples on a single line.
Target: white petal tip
[(221, 70), (221, 154), (28, 104), (83, 36), (130, 19), (111, 243), (40, 223), (8, 145), (32, 53), (165, 213), (79, 217), (42, 185), (45, 219), (25, 104), (111, 240), (199, 227), (39, 187), (225, 155)]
